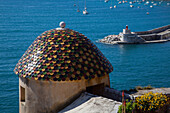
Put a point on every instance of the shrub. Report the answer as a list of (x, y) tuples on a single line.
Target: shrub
[(129, 107), (151, 101)]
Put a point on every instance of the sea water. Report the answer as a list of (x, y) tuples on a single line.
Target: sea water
[(21, 21)]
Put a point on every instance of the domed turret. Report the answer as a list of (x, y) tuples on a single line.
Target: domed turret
[(62, 55), (59, 65)]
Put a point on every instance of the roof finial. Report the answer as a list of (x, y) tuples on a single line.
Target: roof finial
[(62, 24)]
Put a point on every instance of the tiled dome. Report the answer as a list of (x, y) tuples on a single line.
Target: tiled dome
[(62, 55)]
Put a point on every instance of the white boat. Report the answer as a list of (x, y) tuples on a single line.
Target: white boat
[(85, 12), (130, 2), (155, 4), (151, 6), (120, 2), (106, 1), (85, 9), (147, 2), (114, 6), (131, 6)]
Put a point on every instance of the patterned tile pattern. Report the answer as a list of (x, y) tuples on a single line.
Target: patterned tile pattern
[(62, 55)]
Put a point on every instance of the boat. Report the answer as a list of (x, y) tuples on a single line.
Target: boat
[(85, 9), (151, 6), (106, 1), (78, 10), (85, 12), (120, 2), (74, 3), (155, 4), (78, 6), (147, 2), (130, 2), (111, 5), (114, 6), (168, 3), (147, 13), (131, 6)]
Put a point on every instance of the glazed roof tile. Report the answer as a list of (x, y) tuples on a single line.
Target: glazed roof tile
[(62, 55)]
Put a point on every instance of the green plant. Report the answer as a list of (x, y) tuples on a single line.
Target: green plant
[(129, 107), (151, 101)]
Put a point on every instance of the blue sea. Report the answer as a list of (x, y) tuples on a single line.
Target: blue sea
[(21, 21)]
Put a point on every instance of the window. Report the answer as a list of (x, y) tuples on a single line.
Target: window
[(22, 94)]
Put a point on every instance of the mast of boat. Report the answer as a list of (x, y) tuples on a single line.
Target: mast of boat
[(111, 5), (78, 6), (85, 9), (74, 2), (85, 5)]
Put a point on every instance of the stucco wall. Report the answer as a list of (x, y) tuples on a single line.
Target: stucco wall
[(50, 96)]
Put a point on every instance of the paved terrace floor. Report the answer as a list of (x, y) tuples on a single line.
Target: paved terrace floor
[(89, 103)]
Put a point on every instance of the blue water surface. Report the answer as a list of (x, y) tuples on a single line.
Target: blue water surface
[(21, 21)]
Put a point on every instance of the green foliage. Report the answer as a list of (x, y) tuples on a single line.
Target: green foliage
[(129, 107)]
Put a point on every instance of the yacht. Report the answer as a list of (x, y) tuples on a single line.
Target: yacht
[(155, 4), (111, 5), (85, 9), (131, 6), (120, 2)]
